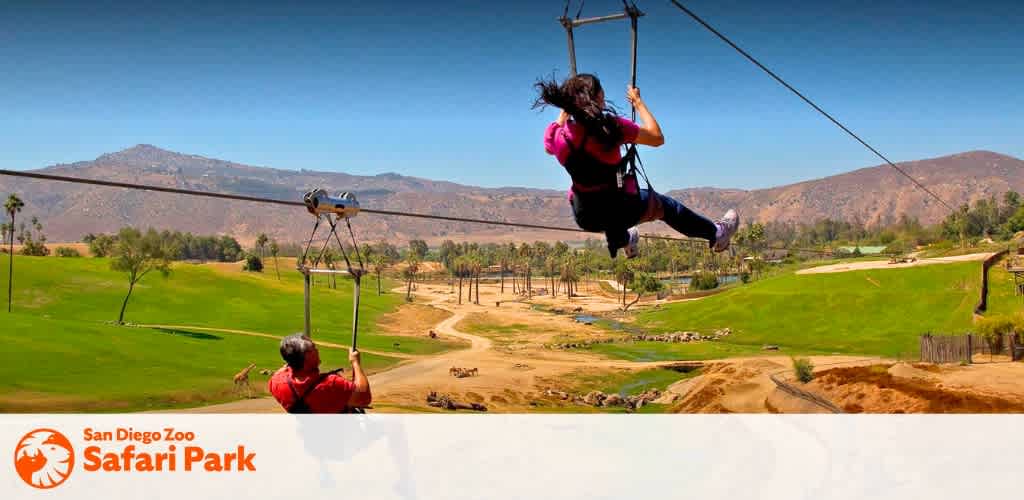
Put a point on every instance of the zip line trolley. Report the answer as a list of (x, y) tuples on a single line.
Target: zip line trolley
[(332, 209)]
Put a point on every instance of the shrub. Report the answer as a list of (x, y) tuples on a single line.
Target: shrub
[(66, 252), (253, 263), (992, 329), (803, 369), (745, 276), (100, 245), (34, 248), (704, 280)]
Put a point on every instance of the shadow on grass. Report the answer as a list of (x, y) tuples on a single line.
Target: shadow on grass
[(189, 334)]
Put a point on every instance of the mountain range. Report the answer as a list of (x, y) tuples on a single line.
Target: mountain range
[(871, 195)]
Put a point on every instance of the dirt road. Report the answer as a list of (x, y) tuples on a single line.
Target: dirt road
[(884, 264)]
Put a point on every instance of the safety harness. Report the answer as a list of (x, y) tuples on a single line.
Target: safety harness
[(589, 175), (300, 405), (592, 176)]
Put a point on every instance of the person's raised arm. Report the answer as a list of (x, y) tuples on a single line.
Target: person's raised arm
[(361, 397), (649, 133)]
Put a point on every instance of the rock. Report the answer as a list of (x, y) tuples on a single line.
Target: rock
[(613, 400), (770, 347)]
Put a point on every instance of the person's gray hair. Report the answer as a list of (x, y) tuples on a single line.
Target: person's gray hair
[(294, 348)]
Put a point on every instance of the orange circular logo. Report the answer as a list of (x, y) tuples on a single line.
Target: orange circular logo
[(44, 458)]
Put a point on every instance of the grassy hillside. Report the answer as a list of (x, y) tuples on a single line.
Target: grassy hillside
[(63, 307), (879, 312), (55, 365), (1002, 297)]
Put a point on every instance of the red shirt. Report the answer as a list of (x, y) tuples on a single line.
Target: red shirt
[(331, 395)]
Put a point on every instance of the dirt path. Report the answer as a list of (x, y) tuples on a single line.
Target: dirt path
[(507, 379), (884, 264)]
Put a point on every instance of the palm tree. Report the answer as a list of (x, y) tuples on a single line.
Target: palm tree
[(328, 260), (261, 243), (412, 267), (505, 255), (274, 250), (12, 206), (475, 267), (569, 274), (378, 262)]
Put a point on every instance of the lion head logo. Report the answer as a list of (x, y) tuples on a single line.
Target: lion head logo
[(44, 458)]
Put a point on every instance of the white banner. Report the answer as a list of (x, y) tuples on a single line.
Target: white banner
[(195, 457)]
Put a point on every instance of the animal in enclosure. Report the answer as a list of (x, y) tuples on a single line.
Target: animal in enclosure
[(458, 372), (241, 380)]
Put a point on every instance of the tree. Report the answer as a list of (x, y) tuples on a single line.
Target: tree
[(623, 275), (253, 263), (32, 239), (274, 250), (12, 206), (1016, 222), (418, 248), (411, 268), (569, 274), (137, 255), (101, 245), (328, 259), (378, 262), (704, 280), (643, 282), (261, 244), (506, 256)]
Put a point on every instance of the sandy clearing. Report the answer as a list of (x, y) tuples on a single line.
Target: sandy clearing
[(884, 264)]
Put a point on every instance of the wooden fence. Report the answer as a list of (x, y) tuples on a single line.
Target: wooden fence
[(961, 348), (946, 348)]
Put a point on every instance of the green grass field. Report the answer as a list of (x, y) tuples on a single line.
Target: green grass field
[(56, 365), (876, 312), (1002, 297), (63, 307)]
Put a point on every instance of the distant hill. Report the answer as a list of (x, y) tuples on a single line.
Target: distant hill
[(69, 211)]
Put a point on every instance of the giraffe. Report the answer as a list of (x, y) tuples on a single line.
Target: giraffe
[(242, 380)]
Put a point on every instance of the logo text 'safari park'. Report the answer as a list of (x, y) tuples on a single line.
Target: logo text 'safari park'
[(44, 458)]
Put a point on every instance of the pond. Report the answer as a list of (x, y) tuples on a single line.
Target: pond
[(685, 280)]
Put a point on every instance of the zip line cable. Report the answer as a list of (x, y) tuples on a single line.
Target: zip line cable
[(817, 108), (273, 201)]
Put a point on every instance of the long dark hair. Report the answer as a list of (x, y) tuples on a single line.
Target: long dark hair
[(578, 96)]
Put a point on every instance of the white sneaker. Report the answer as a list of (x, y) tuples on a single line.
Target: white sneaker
[(632, 248), (727, 227)]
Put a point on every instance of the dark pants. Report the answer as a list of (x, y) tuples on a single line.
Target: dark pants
[(613, 214)]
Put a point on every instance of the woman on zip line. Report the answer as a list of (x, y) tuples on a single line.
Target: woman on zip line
[(586, 140)]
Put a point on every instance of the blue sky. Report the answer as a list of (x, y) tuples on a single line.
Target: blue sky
[(443, 89)]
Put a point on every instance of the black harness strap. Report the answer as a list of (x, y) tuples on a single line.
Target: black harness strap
[(590, 175), (299, 405)]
